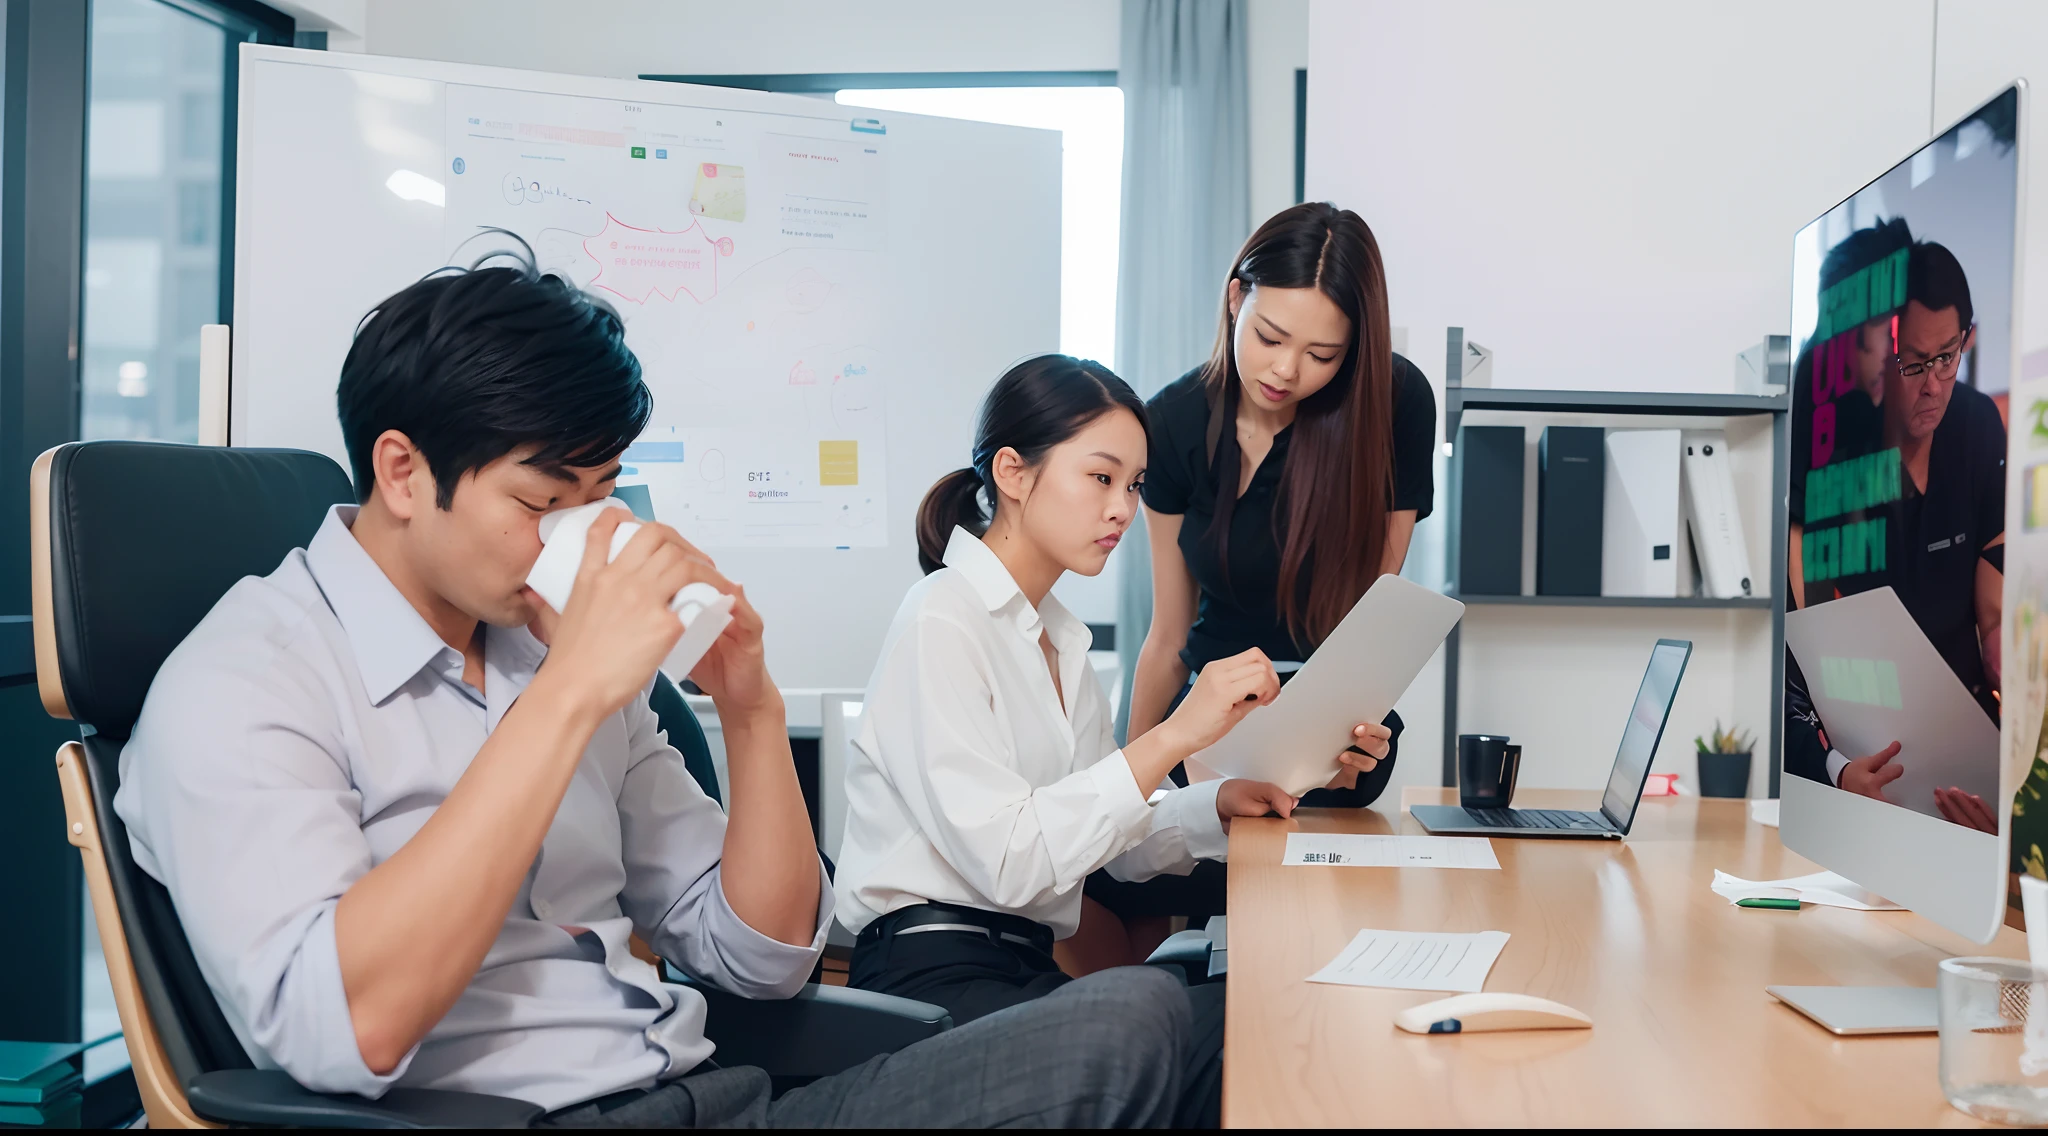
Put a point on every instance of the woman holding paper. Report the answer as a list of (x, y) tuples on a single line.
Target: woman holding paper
[(984, 783), (1288, 473)]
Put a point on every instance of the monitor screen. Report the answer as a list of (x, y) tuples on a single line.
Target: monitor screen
[(1902, 329), (1645, 726)]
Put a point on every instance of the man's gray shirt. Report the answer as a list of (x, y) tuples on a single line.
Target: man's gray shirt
[(307, 728)]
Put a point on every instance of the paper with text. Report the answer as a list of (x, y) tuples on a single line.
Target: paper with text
[(1416, 960), (1351, 850)]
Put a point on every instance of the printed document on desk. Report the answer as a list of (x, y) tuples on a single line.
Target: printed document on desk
[(1416, 960), (1354, 850)]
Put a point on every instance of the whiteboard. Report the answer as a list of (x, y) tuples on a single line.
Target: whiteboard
[(880, 324)]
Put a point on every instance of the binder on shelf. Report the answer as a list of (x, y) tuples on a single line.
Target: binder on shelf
[(1490, 510), (1712, 517), (1570, 492), (1643, 537)]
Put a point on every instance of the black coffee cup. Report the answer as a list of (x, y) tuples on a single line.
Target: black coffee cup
[(1487, 765)]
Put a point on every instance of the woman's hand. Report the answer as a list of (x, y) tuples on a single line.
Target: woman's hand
[(1240, 798), (1376, 741), (1224, 693)]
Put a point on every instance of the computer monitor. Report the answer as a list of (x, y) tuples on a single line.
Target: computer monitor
[(1905, 371)]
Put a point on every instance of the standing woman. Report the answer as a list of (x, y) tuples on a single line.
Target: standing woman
[(1287, 474)]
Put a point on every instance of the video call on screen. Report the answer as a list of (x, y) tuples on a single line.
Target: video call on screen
[(1901, 402)]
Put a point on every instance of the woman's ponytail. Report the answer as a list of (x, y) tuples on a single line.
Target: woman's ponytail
[(954, 500), (1035, 406)]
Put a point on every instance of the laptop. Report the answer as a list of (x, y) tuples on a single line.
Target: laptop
[(1617, 810)]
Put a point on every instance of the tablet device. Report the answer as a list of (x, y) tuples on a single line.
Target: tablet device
[(1356, 676), (1875, 679)]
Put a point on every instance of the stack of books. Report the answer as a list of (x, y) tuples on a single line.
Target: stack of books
[(41, 1084)]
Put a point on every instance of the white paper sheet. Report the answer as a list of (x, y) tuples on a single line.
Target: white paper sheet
[(1352, 850), (1824, 888), (1416, 960)]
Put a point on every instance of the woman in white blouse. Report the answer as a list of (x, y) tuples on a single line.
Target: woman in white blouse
[(985, 784)]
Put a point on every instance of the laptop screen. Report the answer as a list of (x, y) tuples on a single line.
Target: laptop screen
[(1644, 730)]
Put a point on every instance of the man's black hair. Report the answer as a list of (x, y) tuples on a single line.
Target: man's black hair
[(1863, 248), (473, 363), (1935, 278)]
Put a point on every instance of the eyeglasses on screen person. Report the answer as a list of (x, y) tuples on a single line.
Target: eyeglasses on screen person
[(1943, 364)]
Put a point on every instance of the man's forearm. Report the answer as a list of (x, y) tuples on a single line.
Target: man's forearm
[(770, 863), (411, 933)]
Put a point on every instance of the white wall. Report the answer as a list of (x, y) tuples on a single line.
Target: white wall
[(1982, 45), (1276, 46), (1605, 193), (1602, 191)]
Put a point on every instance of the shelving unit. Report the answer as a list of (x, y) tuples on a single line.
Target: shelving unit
[(1757, 602), (1458, 400)]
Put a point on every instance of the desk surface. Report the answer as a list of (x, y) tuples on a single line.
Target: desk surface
[(1672, 975)]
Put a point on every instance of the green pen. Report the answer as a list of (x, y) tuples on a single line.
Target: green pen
[(1773, 903)]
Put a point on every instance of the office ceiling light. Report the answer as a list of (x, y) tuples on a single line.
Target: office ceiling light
[(416, 187)]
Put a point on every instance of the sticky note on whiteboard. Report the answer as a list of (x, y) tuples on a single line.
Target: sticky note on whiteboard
[(720, 192), (839, 463)]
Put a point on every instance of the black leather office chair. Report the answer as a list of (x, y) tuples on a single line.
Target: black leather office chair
[(132, 544)]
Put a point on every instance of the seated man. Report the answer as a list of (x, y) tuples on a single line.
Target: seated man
[(409, 842)]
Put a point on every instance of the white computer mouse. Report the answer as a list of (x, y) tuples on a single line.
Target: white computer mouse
[(1472, 1013)]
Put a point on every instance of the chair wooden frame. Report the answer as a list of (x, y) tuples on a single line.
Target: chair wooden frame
[(163, 1098)]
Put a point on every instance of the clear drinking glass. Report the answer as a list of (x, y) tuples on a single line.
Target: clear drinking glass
[(1986, 1070)]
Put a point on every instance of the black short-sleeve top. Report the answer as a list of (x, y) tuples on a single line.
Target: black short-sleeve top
[(1242, 610)]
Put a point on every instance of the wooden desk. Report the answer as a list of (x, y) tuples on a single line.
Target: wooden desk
[(1672, 974)]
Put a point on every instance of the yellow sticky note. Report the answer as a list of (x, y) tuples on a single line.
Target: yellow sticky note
[(720, 192), (839, 463)]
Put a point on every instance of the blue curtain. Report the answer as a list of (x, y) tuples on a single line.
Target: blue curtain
[(1186, 209)]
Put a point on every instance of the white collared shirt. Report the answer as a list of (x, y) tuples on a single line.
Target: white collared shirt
[(307, 728), (970, 783)]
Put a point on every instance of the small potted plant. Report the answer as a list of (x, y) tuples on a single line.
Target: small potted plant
[(1724, 763)]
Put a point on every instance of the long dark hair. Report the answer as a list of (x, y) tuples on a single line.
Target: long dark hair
[(1338, 484), (1035, 406)]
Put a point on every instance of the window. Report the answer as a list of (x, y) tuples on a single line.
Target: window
[(1091, 122), (159, 167), (154, 170)]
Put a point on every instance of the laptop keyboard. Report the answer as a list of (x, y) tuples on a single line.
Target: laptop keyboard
[(1534, 818)]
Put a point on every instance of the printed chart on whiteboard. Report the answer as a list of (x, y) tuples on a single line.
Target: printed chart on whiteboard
[(744, 253)]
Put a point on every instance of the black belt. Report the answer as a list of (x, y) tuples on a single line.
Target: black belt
[(923, 918)]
